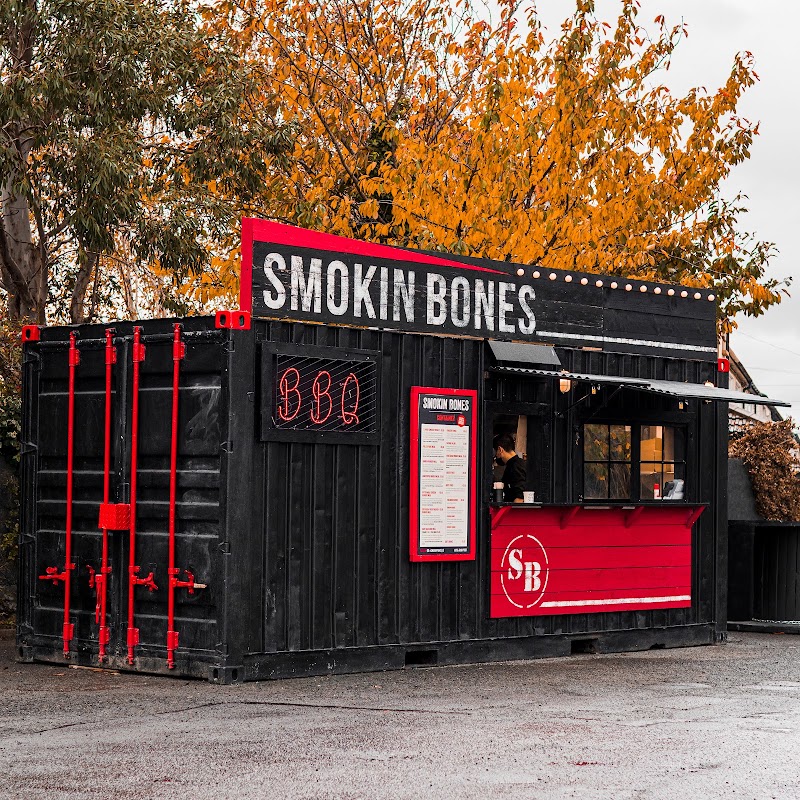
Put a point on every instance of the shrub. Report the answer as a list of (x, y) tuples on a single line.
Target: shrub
[(768, 451)]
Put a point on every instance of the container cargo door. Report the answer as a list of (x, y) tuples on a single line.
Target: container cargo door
[(127, 478)]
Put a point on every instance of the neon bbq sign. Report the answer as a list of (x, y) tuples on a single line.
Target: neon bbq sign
[(332, 395)]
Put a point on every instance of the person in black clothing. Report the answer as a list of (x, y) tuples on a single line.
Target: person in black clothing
[(515, 475)]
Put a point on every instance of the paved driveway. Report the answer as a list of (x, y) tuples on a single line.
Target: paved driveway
[(706, 722)]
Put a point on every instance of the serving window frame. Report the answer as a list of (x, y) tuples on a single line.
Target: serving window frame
[(542, 411), (684, 420)]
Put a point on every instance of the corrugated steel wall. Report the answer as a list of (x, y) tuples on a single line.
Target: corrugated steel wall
[(333, 519), (304, 547)]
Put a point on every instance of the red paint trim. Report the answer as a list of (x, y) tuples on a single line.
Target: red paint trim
[(262, 230), (277, 233), (101, 580), (178, 352), (138, 355), (74, 360), (52, 573), (413, 507), (30, 333), (246, 272)]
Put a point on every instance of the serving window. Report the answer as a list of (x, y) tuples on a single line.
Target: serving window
[(633, 462), (528, 427)]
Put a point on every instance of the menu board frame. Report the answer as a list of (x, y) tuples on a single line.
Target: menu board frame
[(418, 393)]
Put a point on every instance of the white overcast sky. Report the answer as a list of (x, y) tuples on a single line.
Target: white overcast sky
[(769, 346)]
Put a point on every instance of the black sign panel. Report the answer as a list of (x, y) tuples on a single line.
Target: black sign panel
[(319, 394), (291, 273)]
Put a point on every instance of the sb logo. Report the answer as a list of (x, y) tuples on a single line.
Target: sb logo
[(524, 571)]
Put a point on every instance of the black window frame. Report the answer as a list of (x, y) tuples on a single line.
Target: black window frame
[(609, 461), (675, 461), (683, 423)]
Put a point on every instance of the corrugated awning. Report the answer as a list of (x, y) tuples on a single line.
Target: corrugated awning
[(573, 376), (703, 392), (673, 388)]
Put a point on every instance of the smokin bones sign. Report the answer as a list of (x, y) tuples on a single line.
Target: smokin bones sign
[(295, 274), (387, 288)]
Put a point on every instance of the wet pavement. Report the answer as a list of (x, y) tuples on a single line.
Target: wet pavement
[(705, 722)]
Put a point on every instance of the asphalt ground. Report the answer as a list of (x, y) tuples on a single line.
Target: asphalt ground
[(705, 722)]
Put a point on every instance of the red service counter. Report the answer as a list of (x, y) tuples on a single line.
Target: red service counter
[(581, 559)]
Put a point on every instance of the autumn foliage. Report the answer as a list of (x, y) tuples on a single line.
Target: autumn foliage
[(767, 450), (409, 122), (420, 124)]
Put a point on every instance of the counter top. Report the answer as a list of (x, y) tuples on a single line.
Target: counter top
[(628, 514)]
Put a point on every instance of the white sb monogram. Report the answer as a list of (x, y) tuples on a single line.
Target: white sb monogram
[(524, 571), (531, 569)]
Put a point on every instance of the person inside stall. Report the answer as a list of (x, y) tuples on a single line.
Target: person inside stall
[(515, 474)]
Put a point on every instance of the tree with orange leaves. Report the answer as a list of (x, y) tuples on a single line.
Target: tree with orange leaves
[(135, 134), (423, 125)]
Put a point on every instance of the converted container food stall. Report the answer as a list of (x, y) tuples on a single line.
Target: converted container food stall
[(312, 491)]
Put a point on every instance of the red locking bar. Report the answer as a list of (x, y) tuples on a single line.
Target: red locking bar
[(178, 354), (133, 569), (52, 573), (101, 580)]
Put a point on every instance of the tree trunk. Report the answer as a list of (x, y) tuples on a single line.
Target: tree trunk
[(23, 262), (77, 307)]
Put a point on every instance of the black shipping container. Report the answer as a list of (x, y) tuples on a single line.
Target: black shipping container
[(297, 541)]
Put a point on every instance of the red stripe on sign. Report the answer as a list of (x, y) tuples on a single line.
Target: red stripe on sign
[(277, 233), (246, 270)]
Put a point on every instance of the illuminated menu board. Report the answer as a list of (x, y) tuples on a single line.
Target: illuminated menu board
[(442, 502)]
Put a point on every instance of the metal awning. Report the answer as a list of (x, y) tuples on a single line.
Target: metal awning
[(574, 376), (672, 388), (516, 353), (703, 392)]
